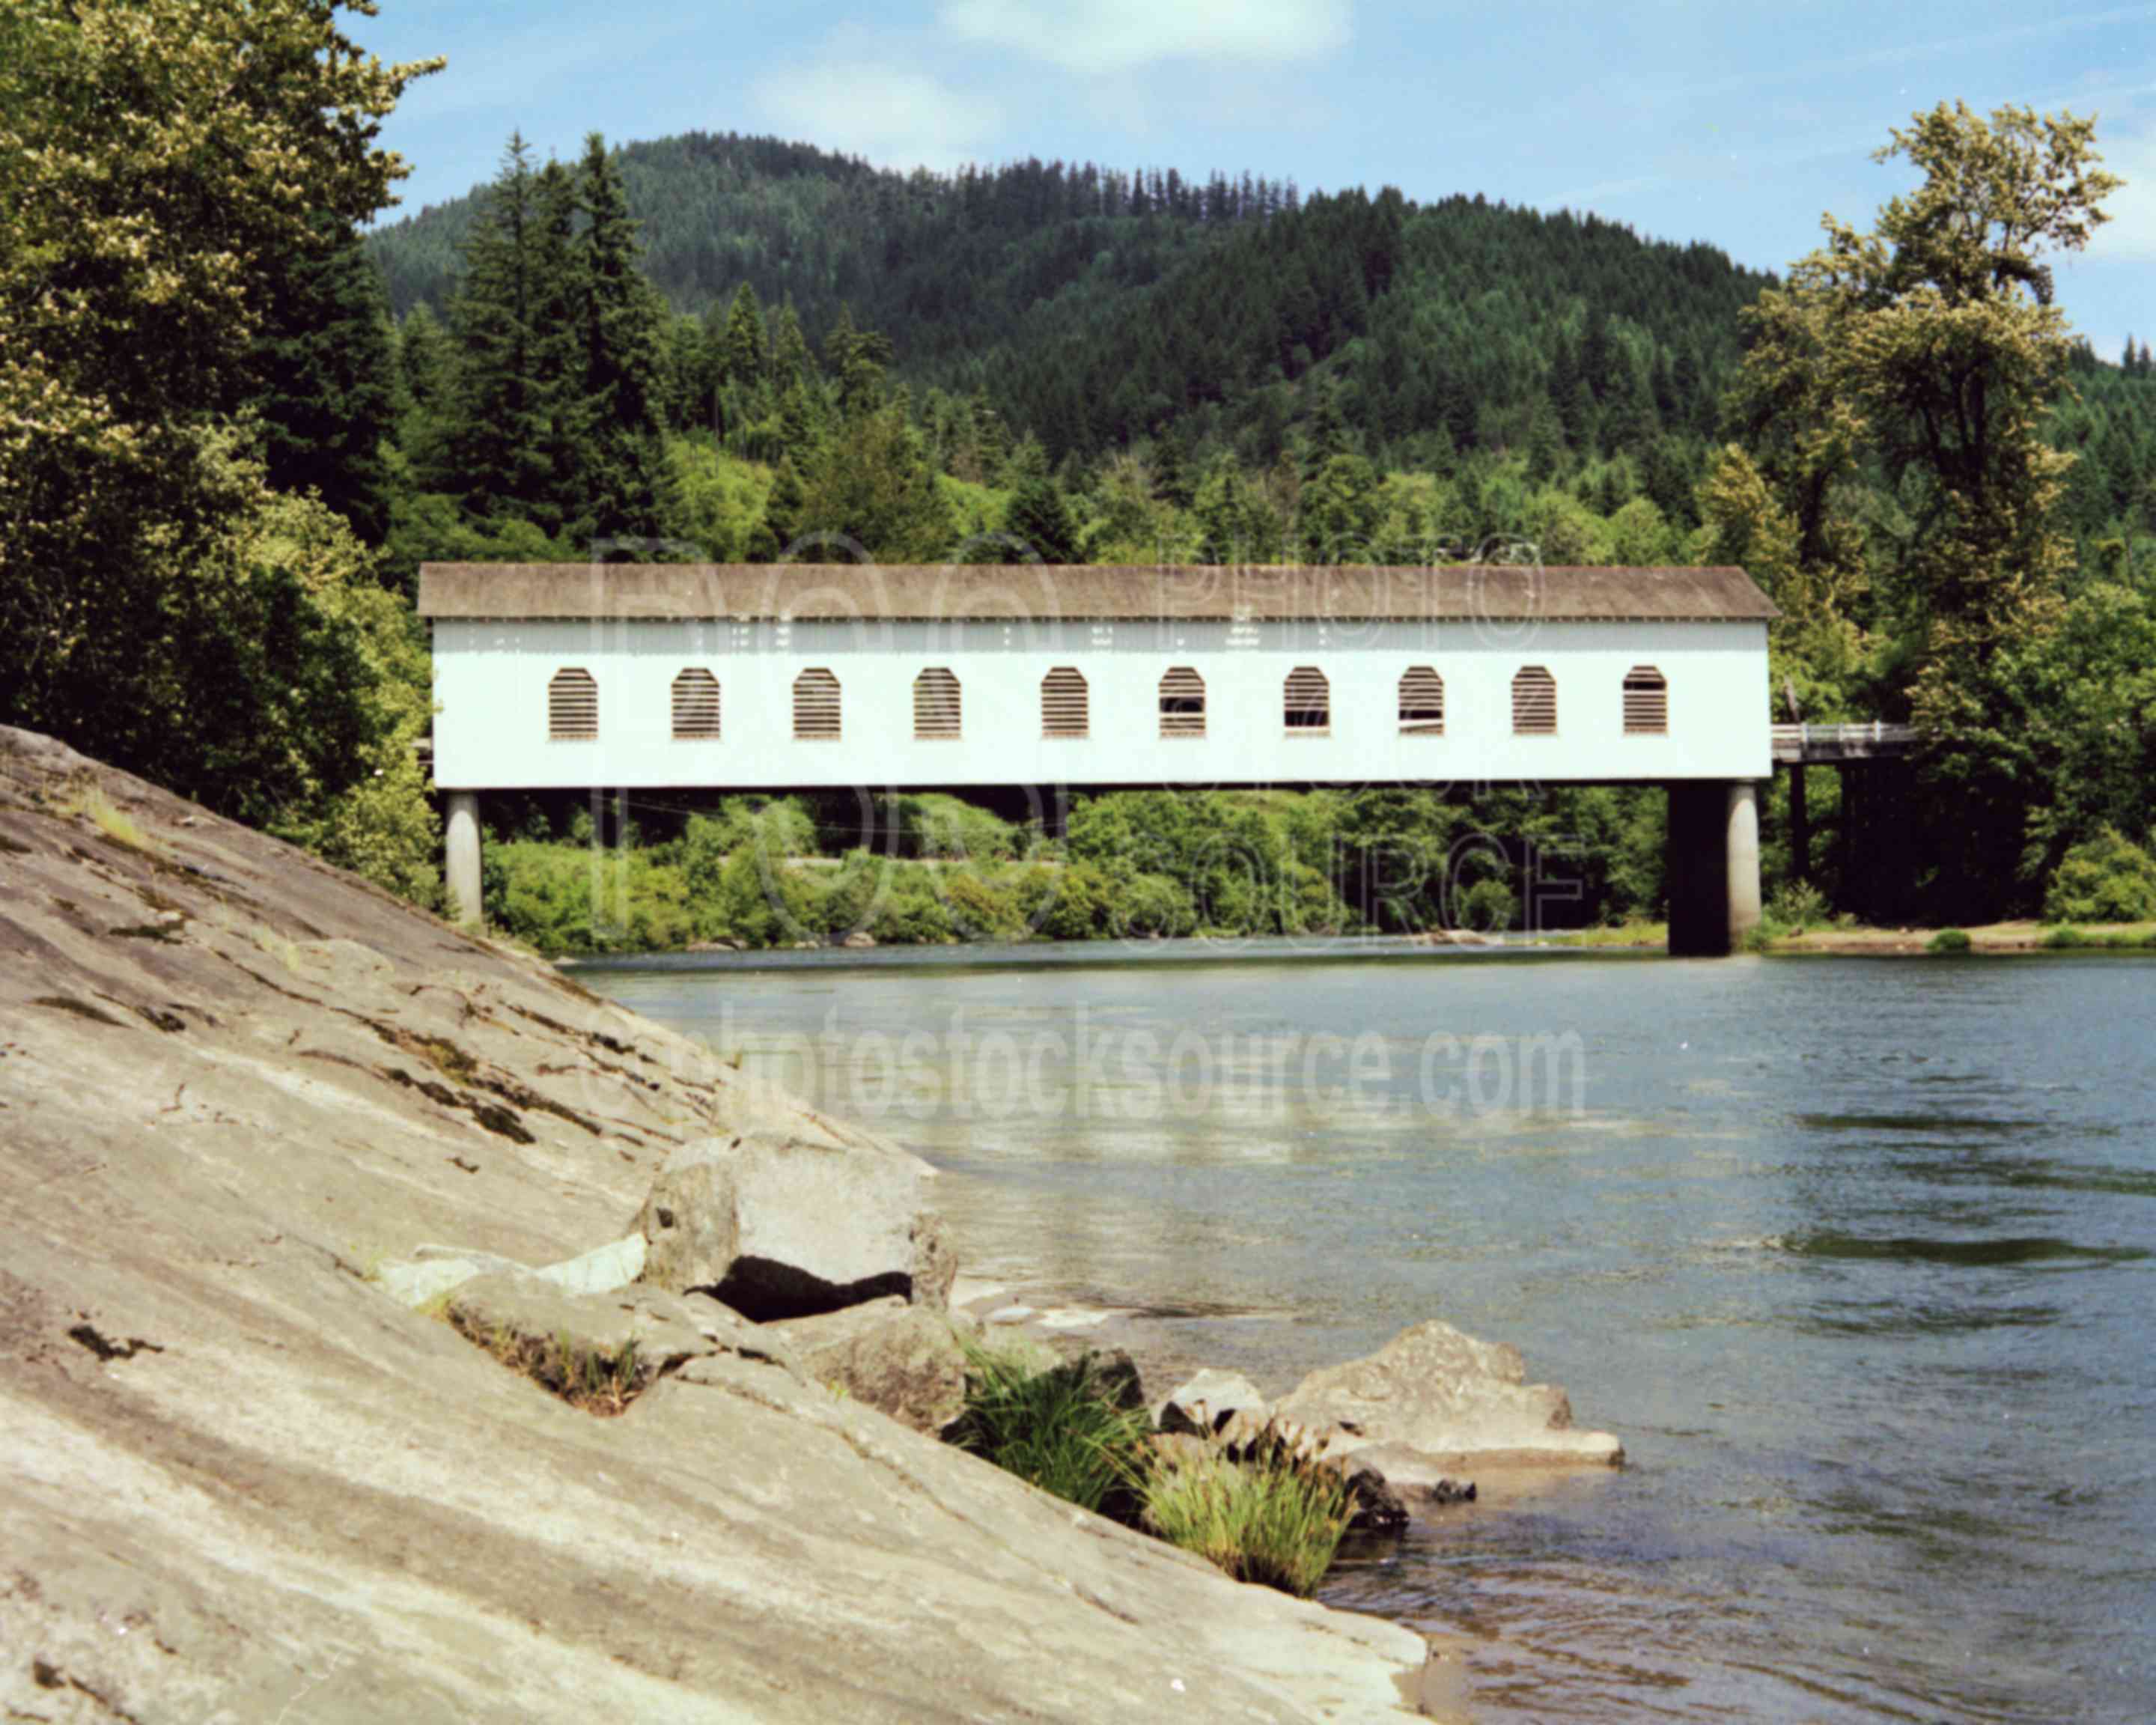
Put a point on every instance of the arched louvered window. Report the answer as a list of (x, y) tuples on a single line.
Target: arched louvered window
[(1422, 702), (1065, 705), (815, 707), (936, 707), (1534, 702), (1182, 703), (1306, 708), (1646, 702), (573, 707), (695, 707)]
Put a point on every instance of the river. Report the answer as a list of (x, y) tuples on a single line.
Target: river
[(1854, 1254)]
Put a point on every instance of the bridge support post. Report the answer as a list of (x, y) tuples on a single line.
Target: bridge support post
[(1711, 866), (466, 904), (1800, 826), (1740, 841)]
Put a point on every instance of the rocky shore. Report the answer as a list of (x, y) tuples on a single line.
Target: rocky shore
[(392, 1329)]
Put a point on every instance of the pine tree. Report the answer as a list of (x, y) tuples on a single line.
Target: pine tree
[(743, 352), (328, 380), (1327, 436), (425, 397), (791, 362), (781, 522), (1171, 474), (1545, 442), (499, 423), (623, 317), (1039, 520), (557, 299)]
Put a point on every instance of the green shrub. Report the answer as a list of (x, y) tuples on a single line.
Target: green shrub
[(1149, 905), (1948, 940), (780, 827), (2107, 879), (981, 908), (909, 910), (566, 899), (2065, 939), (1055, 1423), (1488, 907), (1798, 906), (1071, 903), (846, 896), (1275, 1517), (935, 823)]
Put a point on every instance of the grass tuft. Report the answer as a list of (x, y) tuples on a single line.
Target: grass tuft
[(1948, 940), (89, 800), (1055, 1424), (1276, 1518), (591, 1378)]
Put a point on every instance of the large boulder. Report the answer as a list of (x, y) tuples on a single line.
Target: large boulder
[(1445, 1395), (903, 1360), (782, 1225)]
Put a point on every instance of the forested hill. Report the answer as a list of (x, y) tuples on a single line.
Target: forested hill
[(1095, 307)]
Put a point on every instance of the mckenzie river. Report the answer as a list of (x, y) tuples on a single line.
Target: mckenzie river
[(1855, 1254)]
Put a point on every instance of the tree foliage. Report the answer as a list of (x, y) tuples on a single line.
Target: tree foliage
[(181, 183)]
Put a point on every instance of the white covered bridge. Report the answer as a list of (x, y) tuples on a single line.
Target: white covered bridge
[(788, 677)]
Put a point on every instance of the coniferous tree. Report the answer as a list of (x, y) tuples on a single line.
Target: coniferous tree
[(743, 357), (499, 423), (1327, 436), (425, 398), (623, 319), (1039, 520), (776, 528), (558, 291), (791, 362), (1171, 474), (327, 392)]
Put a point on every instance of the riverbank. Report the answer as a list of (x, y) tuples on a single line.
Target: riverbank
[(1997, 937), (239, 1085)]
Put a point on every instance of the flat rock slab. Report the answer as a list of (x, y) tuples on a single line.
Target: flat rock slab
[(1446, 1396), (513, 1314), (902, 1359), (304, 1501), (432, 1270)]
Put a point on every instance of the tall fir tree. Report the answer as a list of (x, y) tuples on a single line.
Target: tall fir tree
[(425, 387), (500, 425), (327, 389), (1040, 522), (744, 354), (557, 295), (624, 319)]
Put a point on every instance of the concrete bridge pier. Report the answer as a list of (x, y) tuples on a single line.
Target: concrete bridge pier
[(1712, 866), (465, 900)]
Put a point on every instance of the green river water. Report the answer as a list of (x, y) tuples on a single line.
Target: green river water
[(1853, 1253)]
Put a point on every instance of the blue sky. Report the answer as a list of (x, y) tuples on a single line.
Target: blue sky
[(1725, 123)]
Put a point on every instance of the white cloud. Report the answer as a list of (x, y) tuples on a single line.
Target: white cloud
[(1117, 35), (2131, 232), (895, 118)]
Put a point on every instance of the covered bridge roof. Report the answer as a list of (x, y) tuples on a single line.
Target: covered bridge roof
[(938, 591)]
